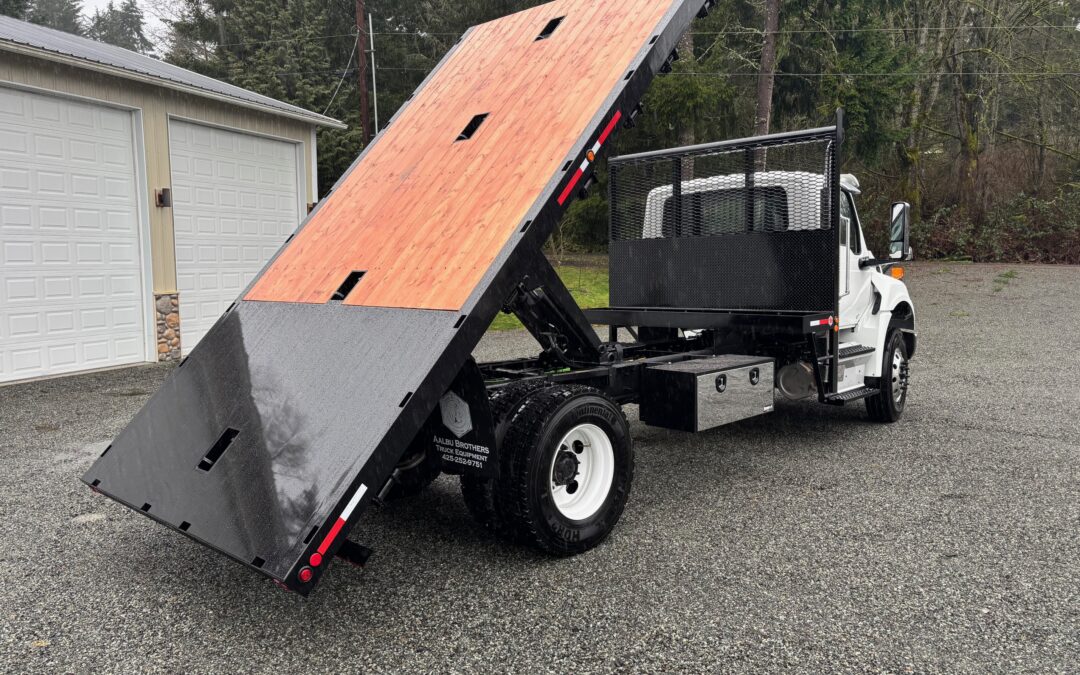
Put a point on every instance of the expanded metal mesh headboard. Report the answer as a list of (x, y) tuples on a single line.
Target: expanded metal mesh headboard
[(741, 225)]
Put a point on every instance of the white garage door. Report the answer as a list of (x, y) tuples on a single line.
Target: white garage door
[(234, 204), (71, 277)]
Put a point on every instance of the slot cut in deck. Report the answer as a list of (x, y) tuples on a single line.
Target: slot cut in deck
[(217, 449), (549, 29), (347, 286), (472, 127)]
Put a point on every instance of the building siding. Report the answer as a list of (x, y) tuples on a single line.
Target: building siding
[(157, 105)]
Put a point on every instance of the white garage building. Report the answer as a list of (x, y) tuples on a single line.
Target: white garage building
[(137, 200)]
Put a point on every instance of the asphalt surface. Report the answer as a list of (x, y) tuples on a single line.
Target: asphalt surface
[(808, 540)]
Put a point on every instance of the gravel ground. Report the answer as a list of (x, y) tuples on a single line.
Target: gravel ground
[(808, 540)]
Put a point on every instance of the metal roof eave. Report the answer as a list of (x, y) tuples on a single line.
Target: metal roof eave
[(125, 73)]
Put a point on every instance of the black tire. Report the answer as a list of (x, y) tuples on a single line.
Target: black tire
[(478, 491), (418, 468), (524, 493), (888, 405)]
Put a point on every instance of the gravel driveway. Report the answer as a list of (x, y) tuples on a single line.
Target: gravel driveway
[(807, 540)]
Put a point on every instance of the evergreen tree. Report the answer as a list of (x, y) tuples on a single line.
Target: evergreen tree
[(928, 85), (15, 8), (121, 26), (65, 15)]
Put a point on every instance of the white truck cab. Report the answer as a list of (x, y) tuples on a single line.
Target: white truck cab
[(876, 319)]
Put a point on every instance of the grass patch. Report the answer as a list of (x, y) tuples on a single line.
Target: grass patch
[(588, 283), (1002, 280)]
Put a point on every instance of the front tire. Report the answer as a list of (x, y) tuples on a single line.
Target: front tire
[(566, 467), (887, 406)]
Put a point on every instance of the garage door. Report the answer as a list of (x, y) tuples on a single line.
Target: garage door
[(71, 277), (234, 204)]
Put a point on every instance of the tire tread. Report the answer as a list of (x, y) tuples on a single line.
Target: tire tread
[(513, 492)]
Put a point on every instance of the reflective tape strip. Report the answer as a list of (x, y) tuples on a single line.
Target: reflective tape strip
[(585, 165), (342, 519)]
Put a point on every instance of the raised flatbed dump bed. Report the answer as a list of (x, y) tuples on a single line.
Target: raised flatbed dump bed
[(273, 435)]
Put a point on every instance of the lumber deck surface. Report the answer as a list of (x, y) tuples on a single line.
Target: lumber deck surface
[(424, 215)]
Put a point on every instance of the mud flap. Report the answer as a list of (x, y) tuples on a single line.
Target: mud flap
[(461, 429)]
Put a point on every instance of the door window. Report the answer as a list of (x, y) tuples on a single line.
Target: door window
[(849, 224)]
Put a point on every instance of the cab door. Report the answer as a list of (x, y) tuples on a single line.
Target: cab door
[(856, 290)]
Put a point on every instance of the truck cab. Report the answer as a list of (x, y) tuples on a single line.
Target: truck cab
[(871, 297)]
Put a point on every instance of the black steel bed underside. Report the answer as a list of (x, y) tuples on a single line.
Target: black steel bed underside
[(307, 391)]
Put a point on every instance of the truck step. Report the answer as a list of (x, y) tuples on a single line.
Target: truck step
[(852, 395), (848, 352), (851, 351)]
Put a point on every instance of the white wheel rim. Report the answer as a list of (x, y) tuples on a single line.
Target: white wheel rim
[(897, 367), (583, 497)]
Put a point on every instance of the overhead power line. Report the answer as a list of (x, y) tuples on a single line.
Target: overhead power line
[(896, 74), (349, 71), (310, 38), (943, 29), (338, 87), (738, 31)]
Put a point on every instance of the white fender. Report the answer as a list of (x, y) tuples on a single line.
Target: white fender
[(874, 328)]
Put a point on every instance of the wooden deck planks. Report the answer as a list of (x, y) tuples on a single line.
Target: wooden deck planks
[(425, 216)]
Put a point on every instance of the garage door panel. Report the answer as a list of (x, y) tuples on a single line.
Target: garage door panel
[(59, 220), (28, 325), (46, 113), (14, 181), (235, 202), (94, 157), (19, 289), (14, 142), (71, 278), (59, 356)]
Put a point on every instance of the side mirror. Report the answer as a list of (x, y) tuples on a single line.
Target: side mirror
[(900, 232)]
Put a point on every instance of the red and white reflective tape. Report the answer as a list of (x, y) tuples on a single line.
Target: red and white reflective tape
[(821, 322), (316, 558), (592, 153)]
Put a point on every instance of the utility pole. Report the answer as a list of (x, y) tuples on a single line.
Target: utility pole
[(374, 74), (361, 71)]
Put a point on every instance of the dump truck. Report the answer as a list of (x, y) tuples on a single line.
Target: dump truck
[(343, 375)]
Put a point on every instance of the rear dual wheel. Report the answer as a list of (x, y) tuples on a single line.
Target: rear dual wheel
[(479, 492), (564, 468)]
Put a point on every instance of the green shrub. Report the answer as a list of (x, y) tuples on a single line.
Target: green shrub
[(1022, 229)]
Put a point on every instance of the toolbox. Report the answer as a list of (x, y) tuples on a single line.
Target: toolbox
[(704, 393)]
